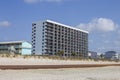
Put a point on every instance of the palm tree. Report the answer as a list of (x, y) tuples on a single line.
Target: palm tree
[(73, 54), (101, 56), (60, 53)]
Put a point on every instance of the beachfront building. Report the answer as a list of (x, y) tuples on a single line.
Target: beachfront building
[(50, 37), (112, 55), (16, 47), (92, 54), (119, 56)]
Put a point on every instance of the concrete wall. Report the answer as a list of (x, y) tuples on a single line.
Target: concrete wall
[(26, 48), (26, 51), (38, 39)]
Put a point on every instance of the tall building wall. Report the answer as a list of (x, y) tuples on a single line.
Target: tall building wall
[(37, 30), (52, 37)]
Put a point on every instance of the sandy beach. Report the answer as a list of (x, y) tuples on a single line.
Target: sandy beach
[(98, 73), (35, 63)]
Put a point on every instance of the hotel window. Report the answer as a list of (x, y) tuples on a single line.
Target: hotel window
[(33, 46), (33, 24)]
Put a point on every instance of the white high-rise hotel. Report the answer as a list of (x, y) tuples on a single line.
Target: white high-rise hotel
[(49, 37)]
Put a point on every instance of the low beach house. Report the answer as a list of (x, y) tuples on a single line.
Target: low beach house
[(17, 47)]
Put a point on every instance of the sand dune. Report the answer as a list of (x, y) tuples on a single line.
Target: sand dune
[(33, 61)]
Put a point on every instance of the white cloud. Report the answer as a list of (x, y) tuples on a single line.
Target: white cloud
[(99, 24), (106, 48), (36, 1), (5, 24)]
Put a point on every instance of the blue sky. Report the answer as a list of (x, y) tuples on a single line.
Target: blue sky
[(100, 17)]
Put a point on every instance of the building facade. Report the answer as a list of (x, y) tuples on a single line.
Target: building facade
[(92, 54), (119, 56), (49, 37), (18, 47), (111, 55)]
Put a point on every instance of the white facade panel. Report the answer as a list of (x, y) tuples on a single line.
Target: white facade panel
[(37, 31)]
